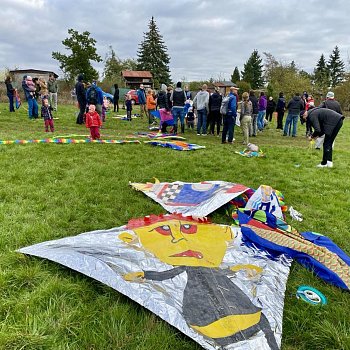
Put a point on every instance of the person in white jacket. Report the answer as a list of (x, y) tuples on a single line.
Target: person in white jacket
[(201, 103)]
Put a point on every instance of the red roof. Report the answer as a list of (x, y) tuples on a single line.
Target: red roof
[(136, 74)]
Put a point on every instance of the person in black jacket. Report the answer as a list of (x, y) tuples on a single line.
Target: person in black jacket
[(10, 92), (280, 109), (214, 111), (81, 97), (331, 103), (295, 105), (270, 108), (116, 98), (325, 122), (254, 101)]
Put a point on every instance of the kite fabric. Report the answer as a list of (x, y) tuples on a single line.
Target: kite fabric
[(64, 141), (312, 250), (197, 276), (191, 199), (249, 154), (176, 145), (17, 100), (160, 136)]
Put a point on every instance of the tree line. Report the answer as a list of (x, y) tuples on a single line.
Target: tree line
[(269, 74)]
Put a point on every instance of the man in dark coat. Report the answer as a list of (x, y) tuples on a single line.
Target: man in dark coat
[(325, 122), (331, 103), (295, 105), (280, 109), (254, 101), (81, 97)]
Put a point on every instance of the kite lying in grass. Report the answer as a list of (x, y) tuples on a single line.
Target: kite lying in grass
[(176, 145), (251, 151), (266, 205), (196, 199), (199, 277), (64, 141), (158, 136)]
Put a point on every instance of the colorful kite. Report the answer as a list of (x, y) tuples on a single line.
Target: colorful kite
[(64, 141), (199, 277), (176, 145), (312, 250), (196, 199)]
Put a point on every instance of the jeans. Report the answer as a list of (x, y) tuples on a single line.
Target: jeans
[(260, 120), (328, 142), (32, 108), (229, 127), (291, 119), (12, 108), (178, 113), (202, 121)]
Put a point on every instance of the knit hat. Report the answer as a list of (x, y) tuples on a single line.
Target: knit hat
[(178, 84), (29, 77), (163, 87), (330, 94)]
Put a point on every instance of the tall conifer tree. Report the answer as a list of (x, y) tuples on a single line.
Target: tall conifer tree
[(235, 77), (321, 74), (336, 68), (253, 71), (152, 55)]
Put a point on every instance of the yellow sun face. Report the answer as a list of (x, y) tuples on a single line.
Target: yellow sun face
[(182, 242)]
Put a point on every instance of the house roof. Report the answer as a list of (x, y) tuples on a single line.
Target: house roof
[(37, 71), (136, 74), (224, 84)]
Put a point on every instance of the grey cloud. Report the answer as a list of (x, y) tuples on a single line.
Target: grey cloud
[(204, 38)]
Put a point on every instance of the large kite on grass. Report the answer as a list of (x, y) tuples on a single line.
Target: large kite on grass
[(198, 276)]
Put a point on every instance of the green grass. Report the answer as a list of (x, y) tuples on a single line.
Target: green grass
[(50, 191)]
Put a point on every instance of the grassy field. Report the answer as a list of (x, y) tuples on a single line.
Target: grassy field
[(50, 191)]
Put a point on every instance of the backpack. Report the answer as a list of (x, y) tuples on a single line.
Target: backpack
[(224, 105), (92, 95)]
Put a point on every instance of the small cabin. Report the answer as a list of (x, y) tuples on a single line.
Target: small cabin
[(132, 79)]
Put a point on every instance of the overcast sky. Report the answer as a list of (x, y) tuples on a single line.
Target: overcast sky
[(204, 38)]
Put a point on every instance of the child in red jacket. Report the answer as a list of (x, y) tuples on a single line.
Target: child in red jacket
[(93, 121)]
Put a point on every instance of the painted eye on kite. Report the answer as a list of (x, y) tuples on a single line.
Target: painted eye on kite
[(188, 229), (164, 230)]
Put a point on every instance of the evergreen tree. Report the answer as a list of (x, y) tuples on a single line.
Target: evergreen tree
[(235, 77), (321, 74), (152, 55), (83, 51), (336, 68), (253, 72)]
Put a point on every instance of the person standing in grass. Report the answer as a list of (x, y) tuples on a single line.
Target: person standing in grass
[(229, 119), (116, 98), (128, 106), (246, 116), (53, 90), (46, 113), (215, 100), (280, 109), (328, 123), (81, 98), (93, 122), (270, 108), (262, 111), (151, 105), (201, 103), (10, 92), (295, 105), (254, 100), (29, 91), (141, 95)]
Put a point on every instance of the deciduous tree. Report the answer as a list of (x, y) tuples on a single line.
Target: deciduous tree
[(79, 61)]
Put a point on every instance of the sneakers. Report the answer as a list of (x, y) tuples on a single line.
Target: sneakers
[(328, 165), (198, 134)]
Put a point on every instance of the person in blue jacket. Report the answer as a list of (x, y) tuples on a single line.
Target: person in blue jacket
[(229, 120), (94, 96), (141, 94)]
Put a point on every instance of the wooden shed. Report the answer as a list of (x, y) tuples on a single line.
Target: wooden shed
[(133, 78), (224, 86), (17, 75)]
